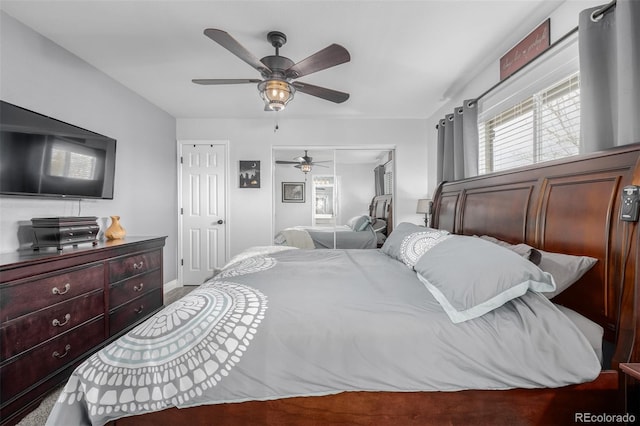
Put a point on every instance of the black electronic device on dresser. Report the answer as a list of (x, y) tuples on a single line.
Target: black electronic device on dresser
[(46, 157), (57, 307), (61, 231)]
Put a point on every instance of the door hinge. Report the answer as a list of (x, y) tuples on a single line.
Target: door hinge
[(181, 262), (181, 158), (181, 210)]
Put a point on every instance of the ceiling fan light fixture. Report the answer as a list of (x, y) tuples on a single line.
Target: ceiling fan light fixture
[(306, 168), (276, 93)]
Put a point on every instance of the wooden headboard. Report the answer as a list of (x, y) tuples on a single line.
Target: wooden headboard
[(381, 207), (570, 206)]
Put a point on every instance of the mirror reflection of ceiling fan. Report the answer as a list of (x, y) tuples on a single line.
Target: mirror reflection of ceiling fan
[(304, 163), (277, 87)]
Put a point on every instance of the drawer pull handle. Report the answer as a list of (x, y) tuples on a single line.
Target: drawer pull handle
[(56, 290), (57, 354), (139, 310), (57, 323), (138, 287), (138, 265)]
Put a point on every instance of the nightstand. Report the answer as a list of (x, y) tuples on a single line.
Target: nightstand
[(631, 387)]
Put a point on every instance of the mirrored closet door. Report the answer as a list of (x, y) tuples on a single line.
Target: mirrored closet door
[(319, 193)]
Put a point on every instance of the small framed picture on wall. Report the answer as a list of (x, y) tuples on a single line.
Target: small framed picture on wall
[(249, 174), (293, 192)]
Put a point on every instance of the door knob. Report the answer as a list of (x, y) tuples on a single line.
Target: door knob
[(220, 221)]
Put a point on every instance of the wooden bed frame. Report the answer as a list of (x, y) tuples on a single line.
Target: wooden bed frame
[(381, 207), (569, 206)]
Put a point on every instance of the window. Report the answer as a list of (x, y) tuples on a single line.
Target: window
[(544, 126)]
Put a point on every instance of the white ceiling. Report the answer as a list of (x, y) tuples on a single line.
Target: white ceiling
[(407, 57)]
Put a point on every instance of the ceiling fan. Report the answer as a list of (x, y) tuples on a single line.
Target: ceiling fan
[(304, 163), (276, 86)]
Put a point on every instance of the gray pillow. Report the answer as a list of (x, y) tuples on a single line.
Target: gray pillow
[(379, 225), (469, 276), (415, 245), (522, 249), (565, 268), (392, 246), (359, 223)]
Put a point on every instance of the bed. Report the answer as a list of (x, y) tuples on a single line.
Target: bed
[(569, 207), (360, 232)]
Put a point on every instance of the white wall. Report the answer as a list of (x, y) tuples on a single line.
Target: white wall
[(253, 140), (41, 76), (562, 20)]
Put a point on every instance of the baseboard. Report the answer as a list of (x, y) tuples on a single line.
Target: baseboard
[(171, 285)]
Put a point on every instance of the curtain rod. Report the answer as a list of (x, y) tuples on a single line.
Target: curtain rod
[(598, 14), (595, 16)]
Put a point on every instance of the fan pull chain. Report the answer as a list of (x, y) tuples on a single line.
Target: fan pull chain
[(275, 128)]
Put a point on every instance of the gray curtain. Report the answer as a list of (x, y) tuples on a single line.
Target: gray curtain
[(378, 174), (609, 46), (458, 143)]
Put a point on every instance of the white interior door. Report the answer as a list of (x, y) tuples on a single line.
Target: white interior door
[(203, 223)]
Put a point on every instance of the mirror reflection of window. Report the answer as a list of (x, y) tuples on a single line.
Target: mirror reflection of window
[(69, 161), (323, 202), (323, 190)]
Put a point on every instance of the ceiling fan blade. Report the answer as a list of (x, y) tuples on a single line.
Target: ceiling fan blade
[(319, 165), (321, 92), (328, 57), (287, 162), (231, 44), (209, 81)]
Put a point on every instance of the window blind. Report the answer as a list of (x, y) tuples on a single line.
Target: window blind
[(543, 127)]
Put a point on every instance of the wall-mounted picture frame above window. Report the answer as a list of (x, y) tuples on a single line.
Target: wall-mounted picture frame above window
[(293, 192), (249, 174)]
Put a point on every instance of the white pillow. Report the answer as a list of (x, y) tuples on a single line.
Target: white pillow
[(469, 276)]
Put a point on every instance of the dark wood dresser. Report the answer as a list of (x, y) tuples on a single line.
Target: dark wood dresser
[(59, 307)]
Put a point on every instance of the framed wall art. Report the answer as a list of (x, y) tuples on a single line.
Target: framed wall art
[(293, 192), (249, 174)]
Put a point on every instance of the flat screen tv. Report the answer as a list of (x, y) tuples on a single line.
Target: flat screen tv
[(42, 156)]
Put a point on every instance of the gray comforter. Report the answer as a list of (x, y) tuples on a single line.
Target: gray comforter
[(316, 322), (340, 237)]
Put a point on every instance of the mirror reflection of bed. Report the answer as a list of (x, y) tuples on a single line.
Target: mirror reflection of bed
[(341, 188)]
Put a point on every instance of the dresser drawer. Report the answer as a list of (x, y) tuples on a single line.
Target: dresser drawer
[(30, 296), (45, 359), (129, 266), (132, 312), (129, 289), (30, 330)]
